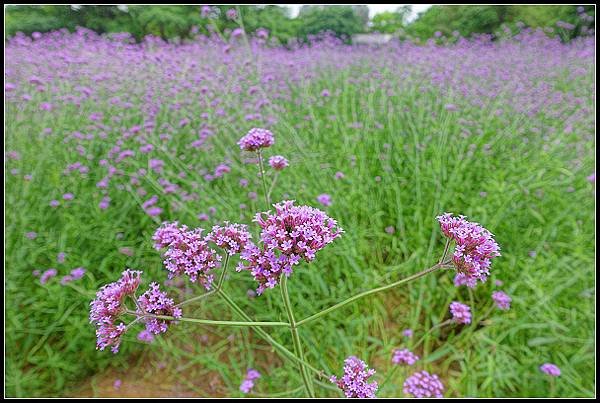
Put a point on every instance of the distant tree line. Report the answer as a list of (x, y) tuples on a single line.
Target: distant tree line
[(185, 21)]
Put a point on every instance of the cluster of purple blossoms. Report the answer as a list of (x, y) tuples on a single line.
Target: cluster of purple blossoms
[(502, 300), (550, 369), (232, 237), (76, 274), (47, 275), (167, 233), (108, 306), (256, 139), (188, 253), (462, 279), (278, 162), (355, 382), (248, 382), (422, 384), (404, 356), (461, 313), (156, 302), (475, 247), (324, 199), (291, 234)]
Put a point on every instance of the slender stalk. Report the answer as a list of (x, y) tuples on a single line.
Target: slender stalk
[(272, 185), (388, 377), (222, 277), (445, 250), (262, 177), (208, 321), (284, 351), (369, 292), (295, 336)]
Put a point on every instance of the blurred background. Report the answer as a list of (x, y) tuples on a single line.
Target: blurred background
[(290, 22)]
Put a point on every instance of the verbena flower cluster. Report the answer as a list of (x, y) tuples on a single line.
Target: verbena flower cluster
[(248, 382), (422, 384), (277, 162), (475, 247), (256, 139), (156, 302), (187, 253), (355, 382), (461, 313), (109, 305), (231, 237), (550, 369), (404, 356), (502, 300), (290, 234)]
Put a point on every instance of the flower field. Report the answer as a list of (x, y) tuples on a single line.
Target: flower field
[(117, 153)]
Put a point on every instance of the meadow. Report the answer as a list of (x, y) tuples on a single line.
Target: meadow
[(105, 139)]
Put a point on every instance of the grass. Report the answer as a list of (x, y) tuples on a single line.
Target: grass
[(409, 162)]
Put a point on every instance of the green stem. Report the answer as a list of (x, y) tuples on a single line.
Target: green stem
[(388, 377), (445, 250), (208, 321), (222, 277), (284, 351), (295, 336), (262, 177), (370, 292)]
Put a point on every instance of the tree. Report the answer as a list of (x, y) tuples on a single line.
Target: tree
[(341, 20), (391, 21)]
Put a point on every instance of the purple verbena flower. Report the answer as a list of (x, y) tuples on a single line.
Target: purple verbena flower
[(475, 246), (167, 233), (502, 300), (108, 306), (324, 199), (461, 313), (47, 275), (231, 237), (355, 382), (248, 382), (422, 384), (550, 369), (255, 139), (155, 302), (404, 356), (278, 162)]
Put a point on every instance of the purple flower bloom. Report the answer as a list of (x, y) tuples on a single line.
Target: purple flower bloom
[(108, 306), (60, 258), (324, 199), (461, 313), (68, 196), (422, 384), (256, 139), (355, 382), (407, 333), (54, 203), (592, 178), (167, 233), (156, 302), (188, 253), (117, 384), (31, 235), (47, 275), (475, 246), (278, 162), (550, 369), (77, 273), (248, 382), (146, 336), (232, 237), (231, 14), (502, 300), (291, 234), (154, 211), (339, 175), (462, 279), (404, 356), (390, 229)]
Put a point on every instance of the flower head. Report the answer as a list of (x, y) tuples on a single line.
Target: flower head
[(248, 382), (502, 300), (108, 306), (324, 199), (167, 233), (550, 369), (422, 384), (188, 253), (278, 162), (155, 302), (232, 237), (404, 356), (461, 313), (290, 234), (255, 139), (355, 382), (475, 247)]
